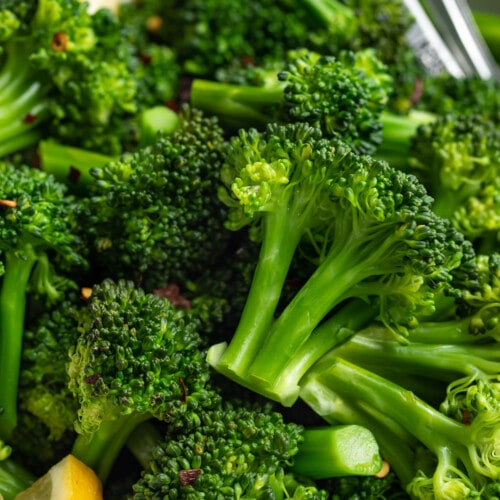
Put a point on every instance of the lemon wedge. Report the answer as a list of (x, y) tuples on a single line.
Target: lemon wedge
[(69, 479)]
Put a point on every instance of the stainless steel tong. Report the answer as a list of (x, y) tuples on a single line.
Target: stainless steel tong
[(446, 38)]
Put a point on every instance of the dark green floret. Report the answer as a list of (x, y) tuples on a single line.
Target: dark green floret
[(137, 357), (153, 216)]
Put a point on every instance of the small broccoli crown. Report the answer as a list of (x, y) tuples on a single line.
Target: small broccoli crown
[(157, 211), (467, 397), (342, 95), (77, 72), (457, 158), (262, 172), (409, 253), (136, 353), (37, 216), (234, 451)]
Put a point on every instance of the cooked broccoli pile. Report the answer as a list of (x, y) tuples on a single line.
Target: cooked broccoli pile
[(248, 250)]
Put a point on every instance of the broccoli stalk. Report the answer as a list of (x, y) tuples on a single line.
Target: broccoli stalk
[(137, 357), (378, 241), (38, 232), (13, 477), (464, 453), (373, 349), (69, 164), (337, 450)]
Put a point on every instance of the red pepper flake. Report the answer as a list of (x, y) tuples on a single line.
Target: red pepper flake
[(30, 118), (248, 61), (74, 174), (145, 59), (8, 203), (173, 105), (92, 379), (188, 476), (172, 293), (59, 42), (466, 420), (184, 398)]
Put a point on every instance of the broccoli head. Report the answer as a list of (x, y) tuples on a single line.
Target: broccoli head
[(154, 216), (137, 357)]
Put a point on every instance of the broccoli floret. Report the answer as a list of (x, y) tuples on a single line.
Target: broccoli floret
[(136, 358), (456, 157), (343, 95), (235, 451), (445, 94), (154, 216), (209, 36), (40, 246), (376, 236)]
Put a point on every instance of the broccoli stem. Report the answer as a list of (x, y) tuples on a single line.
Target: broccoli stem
[(13, 479), (142, 441), (454, 331), (236, 105), (337, 450), (18, 268), (344, 323), (471, 444), (397, 133), (100, 449), (396, 444), (332, 282), (279, 242), (69, 164), (23, 103), (440, 361)]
